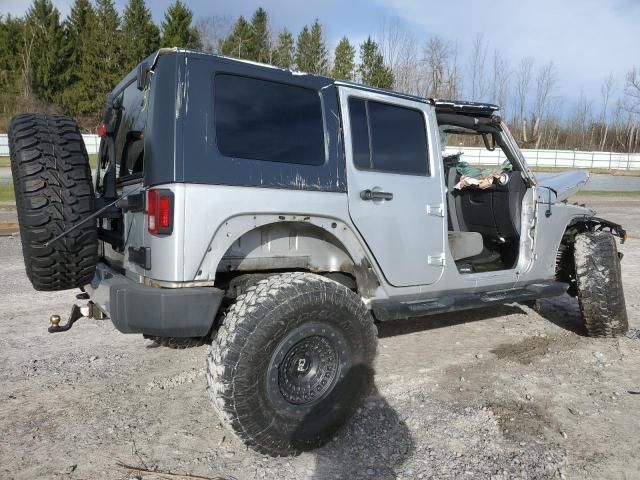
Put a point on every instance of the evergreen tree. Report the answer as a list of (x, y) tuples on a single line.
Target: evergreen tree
[(45, 35), (103, 66), (283, 55), (140, 36), (79, 25), (11, 69), (259, 44), (238, 43), (343, 64), (176, 27), (372, 70), (311, 52), (11, 35), (77, 29)]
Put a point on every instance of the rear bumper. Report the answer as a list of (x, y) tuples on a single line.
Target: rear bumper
[(164, 312)]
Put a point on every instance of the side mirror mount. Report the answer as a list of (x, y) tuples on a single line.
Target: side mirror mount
[(143, 72)]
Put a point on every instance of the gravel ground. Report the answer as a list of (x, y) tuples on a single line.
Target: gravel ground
[(503, 392)]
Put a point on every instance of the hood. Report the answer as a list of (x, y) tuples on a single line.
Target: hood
[(562, 185)]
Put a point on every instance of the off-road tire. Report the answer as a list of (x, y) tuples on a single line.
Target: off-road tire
[(52, 182), (242, 364), (599, 285)]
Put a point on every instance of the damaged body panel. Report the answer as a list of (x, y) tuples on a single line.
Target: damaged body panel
[(244, 203), (186, 95), (562, 185), (277, 215)]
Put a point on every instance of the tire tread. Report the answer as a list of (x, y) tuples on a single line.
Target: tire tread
[(599, 282), (53, 187)]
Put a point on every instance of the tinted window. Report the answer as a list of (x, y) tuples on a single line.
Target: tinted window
[(130, 127), (263, 120), (396, 139), (359, 133)]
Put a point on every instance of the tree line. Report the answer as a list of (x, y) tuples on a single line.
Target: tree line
[(69, 65)]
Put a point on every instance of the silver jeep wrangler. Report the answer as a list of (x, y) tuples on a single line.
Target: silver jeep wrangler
[(281, 215)]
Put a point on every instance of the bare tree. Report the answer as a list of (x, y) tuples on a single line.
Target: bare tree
[(477, 67), (523, 80), (212, 30), (545, 83), (441, 69), (399, 51), (632, 91), (605, 91), (500, 82)]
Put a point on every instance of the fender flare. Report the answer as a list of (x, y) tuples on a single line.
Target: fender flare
[(587, 223), (364, 268)]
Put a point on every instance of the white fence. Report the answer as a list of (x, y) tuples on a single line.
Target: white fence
[(92, 143), (480, 155), (554, 158)]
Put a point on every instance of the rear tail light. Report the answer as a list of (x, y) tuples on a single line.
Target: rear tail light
[(102, 130), (160, 211)]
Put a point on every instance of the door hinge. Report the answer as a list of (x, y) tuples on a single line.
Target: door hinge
[(437, 260), (436, 210)]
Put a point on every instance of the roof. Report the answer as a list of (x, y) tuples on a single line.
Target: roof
[(472, 108), (442, 105)]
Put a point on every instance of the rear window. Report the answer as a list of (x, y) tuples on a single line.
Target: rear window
[(127, 118), (264, 120), (388, 138), (130, 130)]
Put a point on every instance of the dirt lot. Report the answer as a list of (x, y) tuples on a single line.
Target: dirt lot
[(499, 393)]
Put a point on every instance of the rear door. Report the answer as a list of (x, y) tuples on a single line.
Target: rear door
[(127, 119), (396, 197)]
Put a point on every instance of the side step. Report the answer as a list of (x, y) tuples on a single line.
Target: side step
[(385, 310)]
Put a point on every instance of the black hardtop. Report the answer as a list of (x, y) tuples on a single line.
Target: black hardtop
[(180, 123), (442, 105)]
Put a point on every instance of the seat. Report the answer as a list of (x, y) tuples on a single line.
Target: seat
[(465, 244)]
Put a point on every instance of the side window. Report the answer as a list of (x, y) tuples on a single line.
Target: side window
[(264, 120), (359, 133), (388, 138)]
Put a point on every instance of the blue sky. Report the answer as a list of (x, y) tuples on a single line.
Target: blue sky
[(586, 39)]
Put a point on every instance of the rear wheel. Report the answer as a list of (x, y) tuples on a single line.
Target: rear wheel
[(599, 285), (291, 362), (52, 182)]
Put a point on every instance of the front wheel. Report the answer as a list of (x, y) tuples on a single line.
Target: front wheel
[(291, 362), (599, 285)]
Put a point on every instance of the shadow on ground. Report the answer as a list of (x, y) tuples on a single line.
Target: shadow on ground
[(562, 311), (421, 324), (373, 444)]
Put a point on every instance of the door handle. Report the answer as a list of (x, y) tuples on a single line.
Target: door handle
[(375, 195)]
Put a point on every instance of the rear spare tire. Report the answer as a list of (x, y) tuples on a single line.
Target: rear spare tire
[(291, 362), (599, 285), (52, 182)]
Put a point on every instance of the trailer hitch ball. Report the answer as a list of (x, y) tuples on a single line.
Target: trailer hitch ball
[(54, 320)]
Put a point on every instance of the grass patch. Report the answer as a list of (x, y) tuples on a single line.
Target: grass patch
[(6, 192), (603, 171), (93, 160), (594, 193)]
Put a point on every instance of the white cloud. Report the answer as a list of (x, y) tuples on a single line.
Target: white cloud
[(586, 39)]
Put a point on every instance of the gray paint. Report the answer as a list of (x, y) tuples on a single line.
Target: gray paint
[(417, 205), (231, 227)]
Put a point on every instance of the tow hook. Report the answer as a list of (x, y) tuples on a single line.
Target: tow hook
[(88, 311)]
